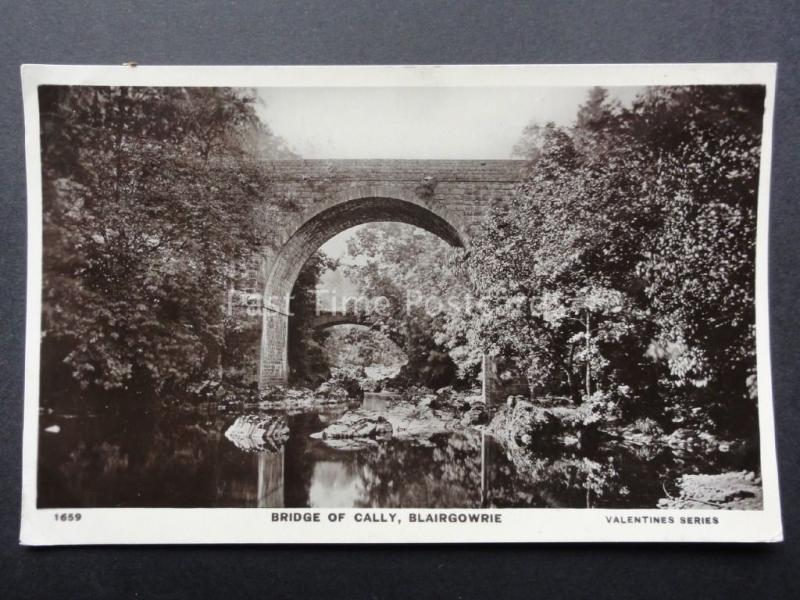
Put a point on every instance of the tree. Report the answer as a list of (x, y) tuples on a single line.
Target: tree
[(358, 346), (627, 253), (149, 197), (411, 269)]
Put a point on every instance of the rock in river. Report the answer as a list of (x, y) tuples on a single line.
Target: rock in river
[(734, 490), (258, 432), (357, 424), (523, 423), (476, 415)]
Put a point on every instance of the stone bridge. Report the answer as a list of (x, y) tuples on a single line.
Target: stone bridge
[(313, 200), (328, 318)]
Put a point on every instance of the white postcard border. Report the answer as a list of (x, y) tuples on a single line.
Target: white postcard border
[(219, 525)]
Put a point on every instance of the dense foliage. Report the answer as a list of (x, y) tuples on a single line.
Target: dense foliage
[(411, 269), (308, 361), (149, 196), (358, 346), (622, 271)]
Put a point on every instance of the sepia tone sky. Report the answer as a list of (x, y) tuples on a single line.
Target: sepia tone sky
[(415, 122)]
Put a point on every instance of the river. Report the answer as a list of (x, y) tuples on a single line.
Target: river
[(181, 458)]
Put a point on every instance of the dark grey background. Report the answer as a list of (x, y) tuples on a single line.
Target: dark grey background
[(389, 32)]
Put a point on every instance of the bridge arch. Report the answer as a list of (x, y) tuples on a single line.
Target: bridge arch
[(307, 239), (327, 223), (325, 319), (362, 326)]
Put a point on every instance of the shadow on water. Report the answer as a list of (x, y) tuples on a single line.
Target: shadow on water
[(168, 459)]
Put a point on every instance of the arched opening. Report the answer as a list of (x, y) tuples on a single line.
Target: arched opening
[(362, 349), (305, 241)]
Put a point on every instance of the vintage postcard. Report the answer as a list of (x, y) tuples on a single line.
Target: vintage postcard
[(398, 304)]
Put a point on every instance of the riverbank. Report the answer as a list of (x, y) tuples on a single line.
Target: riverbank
[(525, 453), (737, 490), (545, 439), (530, 430), (404, 418), (227, 396)]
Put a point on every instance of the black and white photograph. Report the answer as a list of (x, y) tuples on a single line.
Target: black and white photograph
[(421, 298)]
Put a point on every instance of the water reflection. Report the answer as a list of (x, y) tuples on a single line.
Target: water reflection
[(335, 485), (377, 402), (183, 460), (270, 479)]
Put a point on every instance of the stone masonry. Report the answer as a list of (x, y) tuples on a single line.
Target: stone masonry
[(310, 201)]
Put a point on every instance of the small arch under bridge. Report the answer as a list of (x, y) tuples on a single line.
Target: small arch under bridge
[(329, 318)]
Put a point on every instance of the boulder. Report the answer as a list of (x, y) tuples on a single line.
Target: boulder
[(692, 441), (445, 394), (258, 432), (261, 426), (357, 424), (735, 490), (329, 391), (341, 386), (429, 401), (524, 424), (272, 393), (538, 423), (476, 415), (351, 444)]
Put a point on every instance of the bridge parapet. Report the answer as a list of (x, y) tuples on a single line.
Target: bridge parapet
[(461, 191)]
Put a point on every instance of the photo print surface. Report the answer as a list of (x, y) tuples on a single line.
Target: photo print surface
[(399, 297)]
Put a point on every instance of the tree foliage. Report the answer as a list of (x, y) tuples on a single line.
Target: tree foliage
[(149, 196), (411, 269), (358, 346), (623, 267)]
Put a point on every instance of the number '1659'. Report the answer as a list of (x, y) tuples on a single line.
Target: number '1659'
[(65, 517)]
